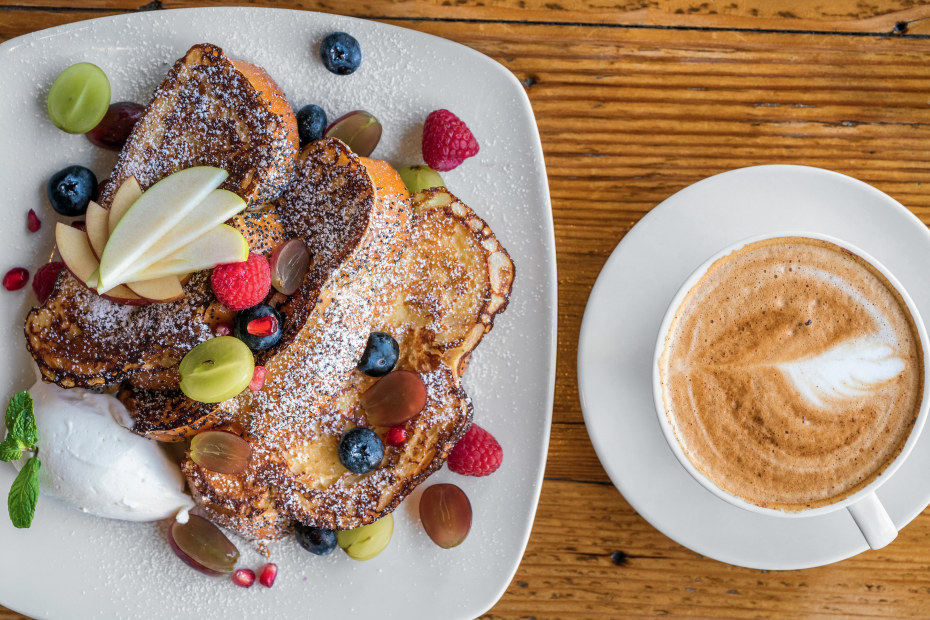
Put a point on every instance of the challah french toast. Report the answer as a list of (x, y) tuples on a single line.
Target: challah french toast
[(452, 279), (355, 234), (211, 110), (208, 110)]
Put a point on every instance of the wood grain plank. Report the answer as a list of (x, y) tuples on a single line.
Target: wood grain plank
[(568, 571), (628, 116), (880, 16)]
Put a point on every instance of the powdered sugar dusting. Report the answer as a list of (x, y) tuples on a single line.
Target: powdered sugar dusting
[(505, 183)]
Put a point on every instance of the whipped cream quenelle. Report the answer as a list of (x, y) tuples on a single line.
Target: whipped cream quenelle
[(792, 373), (94, 464)]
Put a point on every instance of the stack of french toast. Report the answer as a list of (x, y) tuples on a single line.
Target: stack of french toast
[(423, 268)]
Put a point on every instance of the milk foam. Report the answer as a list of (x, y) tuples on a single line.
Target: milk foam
[(792, 373), (849, 370)]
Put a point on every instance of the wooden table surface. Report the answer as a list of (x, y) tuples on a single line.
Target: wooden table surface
[(636, 99)]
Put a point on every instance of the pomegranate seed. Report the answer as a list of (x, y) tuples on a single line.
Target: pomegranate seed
[(15, 279), (258, 378), (396, 436), (79, 224), (33, 223), (268, 574), (244, 577), (223, 329), (265, 326)]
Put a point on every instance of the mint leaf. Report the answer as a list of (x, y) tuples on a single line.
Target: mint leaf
[(24, 494), (18, 404), (20, 421), (10, 452)]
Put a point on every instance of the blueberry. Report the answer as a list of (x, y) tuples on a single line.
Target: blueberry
[(259, 327), (311, 123), (341, 53), (71, 189), (316, 540), (380, 355), (360, 450)]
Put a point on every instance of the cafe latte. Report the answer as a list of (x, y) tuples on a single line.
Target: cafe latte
[(792, 373)]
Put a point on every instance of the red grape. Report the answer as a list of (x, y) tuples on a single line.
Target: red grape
[(113, 130), (446, 514), (289, 264), (202, 546), (360, 130), (395, 398), (221, 452)]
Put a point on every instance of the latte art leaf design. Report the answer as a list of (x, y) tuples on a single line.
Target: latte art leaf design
[(851, 369)]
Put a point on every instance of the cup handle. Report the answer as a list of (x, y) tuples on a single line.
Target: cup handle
[(873, 521)]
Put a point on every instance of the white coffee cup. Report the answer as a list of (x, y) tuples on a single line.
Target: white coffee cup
[(864, 506)]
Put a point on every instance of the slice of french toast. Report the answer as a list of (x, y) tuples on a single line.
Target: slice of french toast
[(354, 234), (442, 296), (209, 110), (80, 339)]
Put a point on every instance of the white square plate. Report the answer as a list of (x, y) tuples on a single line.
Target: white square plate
[(69, 565)]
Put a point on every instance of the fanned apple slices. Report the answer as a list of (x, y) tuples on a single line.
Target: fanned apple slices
[(140, 249)]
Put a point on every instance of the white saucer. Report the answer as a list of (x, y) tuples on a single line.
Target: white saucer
[(620, 327)]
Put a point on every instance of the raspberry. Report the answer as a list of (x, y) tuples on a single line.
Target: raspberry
[(476, 454), (242, 285), (447, 142), (43, 283)]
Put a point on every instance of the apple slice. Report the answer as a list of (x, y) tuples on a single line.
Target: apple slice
[(75, 250), (96, 224), (160, 290), (78, 256), (127, 194), (220, 245), (157, 211), (216, 208)]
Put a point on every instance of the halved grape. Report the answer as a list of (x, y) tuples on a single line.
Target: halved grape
[(395, 398), (221, 451), (289, 264), (364, 543), (201, 545), (360, 130), (446, 514), (418, 178), (79, 98), (216, 369), (113, 130)]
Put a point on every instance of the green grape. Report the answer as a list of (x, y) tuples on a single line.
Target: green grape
[(418, 178), (364, 543), (216, 370), (79, 98)]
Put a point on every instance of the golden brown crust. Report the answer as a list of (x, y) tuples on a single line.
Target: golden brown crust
[(79, 339), (451, 280), (207, 112)]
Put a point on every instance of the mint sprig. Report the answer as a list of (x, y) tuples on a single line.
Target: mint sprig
[(22, 436)]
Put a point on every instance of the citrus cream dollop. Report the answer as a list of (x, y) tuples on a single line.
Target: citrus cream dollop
[(94, 464)]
